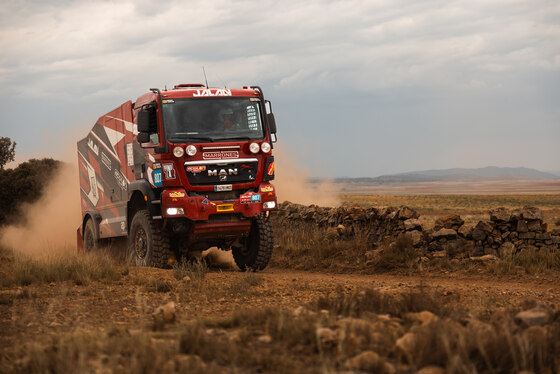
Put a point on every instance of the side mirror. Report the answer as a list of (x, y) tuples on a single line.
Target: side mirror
[(143, 121), (271, 122)]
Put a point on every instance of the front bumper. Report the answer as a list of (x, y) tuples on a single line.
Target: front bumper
[(175, 203)]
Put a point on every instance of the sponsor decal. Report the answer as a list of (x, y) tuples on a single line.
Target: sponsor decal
[(195, 169), (168, 101), (208, 92), (224, 208), (120, 180), (169, 171), (270, 170), (106, 160), (123, 226), (223, 187), (158, 178), (93, 146), (250, 197), (267, 189), (205, 201), (129, 154), (177, 194), (220, 155)]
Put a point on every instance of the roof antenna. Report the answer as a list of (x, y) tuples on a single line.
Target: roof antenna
[(204, 71)]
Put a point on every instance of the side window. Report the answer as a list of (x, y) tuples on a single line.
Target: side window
[(252, 118)]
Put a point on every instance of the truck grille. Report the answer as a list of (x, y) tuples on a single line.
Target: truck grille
[(227, 172)]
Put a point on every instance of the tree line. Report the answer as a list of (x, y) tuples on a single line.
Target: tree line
[(23, 184)]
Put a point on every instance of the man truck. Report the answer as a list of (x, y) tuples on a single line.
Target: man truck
[(179, 171)]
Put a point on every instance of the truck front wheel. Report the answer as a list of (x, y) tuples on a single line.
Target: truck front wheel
[(148, 246), (256, 250)]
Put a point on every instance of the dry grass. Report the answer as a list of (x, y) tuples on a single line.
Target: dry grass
[(306, 246), (278, 340), (78, 269), (397, 254), (529, 261)]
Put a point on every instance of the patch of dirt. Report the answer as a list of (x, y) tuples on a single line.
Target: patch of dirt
[(37, 310)]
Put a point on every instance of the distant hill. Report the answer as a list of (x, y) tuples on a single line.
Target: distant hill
[(457, 174)]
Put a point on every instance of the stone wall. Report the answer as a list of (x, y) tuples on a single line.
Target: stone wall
[(505, 231)]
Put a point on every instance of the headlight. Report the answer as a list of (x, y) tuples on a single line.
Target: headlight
[(175, 211), (269, 205), (191, 150), (265, 147), (178, 151), (254, 148)]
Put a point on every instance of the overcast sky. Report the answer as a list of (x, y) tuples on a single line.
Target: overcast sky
[(359, 88)]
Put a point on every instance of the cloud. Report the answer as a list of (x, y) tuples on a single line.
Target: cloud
[(411, 61)]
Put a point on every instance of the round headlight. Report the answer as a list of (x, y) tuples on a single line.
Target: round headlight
[(254, 148), (191, 150), (265, 147), (178, 151)]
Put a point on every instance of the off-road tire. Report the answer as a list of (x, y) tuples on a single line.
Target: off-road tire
[(257, 248), (147, 245), (91, 241)]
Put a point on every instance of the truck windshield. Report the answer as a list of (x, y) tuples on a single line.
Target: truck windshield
[(212, 119)]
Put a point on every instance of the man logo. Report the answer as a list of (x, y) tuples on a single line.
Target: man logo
[(222, 172)]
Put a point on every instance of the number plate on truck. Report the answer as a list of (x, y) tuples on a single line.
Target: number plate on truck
[(222, 187), (224, 208)]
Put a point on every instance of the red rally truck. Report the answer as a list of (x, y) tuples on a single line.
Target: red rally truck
[(180, 171)]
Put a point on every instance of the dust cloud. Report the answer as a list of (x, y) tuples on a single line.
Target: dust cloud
[(292, 182), (51, 222)]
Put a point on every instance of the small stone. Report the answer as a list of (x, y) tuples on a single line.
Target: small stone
[(186, 279), (486, 226), (424, 317), (164, 314), (531, 213), (465, 232), (534, 226), (500, 215), (412, 224), (416, 237), (432, 369), (485, 258), (478, 234), (450, 221), (367, 361), (537, 316), (406, 345), (326, 337), (522, 226), (405, 213), (445, 233), (265, 339)]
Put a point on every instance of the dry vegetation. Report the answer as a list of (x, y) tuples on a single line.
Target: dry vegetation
[(472, 208), (360, 329)]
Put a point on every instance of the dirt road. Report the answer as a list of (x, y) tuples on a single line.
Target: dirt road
[(53, 308)]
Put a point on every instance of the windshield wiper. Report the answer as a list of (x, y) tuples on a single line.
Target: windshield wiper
[(235, 138), (183, 138)]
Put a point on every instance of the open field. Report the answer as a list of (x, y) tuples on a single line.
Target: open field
[(471, 207), (497, 187)]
